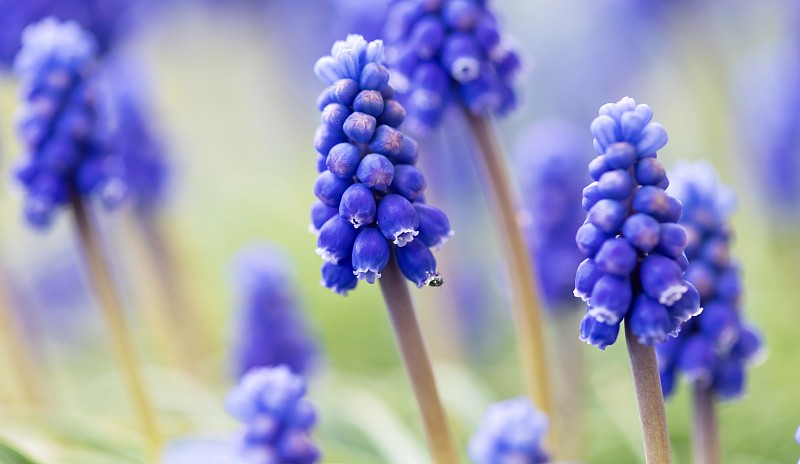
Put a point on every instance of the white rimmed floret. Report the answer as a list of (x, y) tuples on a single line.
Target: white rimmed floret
[(672, 294), (404, 237)]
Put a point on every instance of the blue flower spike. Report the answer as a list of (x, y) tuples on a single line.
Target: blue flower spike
[(368, 176), (278, 419), (512, 431), (270, 328), (446, 51), (631, 240), (60, 123), (714, 348)]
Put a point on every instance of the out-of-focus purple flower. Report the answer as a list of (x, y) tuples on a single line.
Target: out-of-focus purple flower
[(714, 347), (512, 431), (360, 17), (270, 328), (102, 18), (278, 419), (133, 135), (60, 122), (767, 98), (449, 50), (369, 176), (632, 244), (550, 166)]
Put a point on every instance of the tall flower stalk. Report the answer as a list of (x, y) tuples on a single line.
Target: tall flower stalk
[(370, 217), (634, 256), (452, 51), (713, 349), (66, 162), (23, 361)]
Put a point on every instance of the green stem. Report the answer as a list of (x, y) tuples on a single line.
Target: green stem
[(418, 365), (114, 318), (652, 415)]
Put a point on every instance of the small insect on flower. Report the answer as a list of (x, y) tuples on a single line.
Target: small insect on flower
[(370, 194), (278, 419), (512, 431), (60, 122), (713, 348), (449, 50), (634, 267)]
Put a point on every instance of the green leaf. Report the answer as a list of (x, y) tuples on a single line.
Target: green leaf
[(9, 455)]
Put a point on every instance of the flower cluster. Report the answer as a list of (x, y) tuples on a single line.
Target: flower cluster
[(103, 18), (551, 169), (270, 330), (369, 192), (442, 50), (60, 122), (133, 136), (271, 402), (631, 239), (714, 347), (512, 431)]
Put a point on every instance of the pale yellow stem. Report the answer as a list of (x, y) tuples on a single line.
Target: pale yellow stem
[(705, 436), (114, 319), (524, 293), (418, 365), (21, 357), (652, 415)]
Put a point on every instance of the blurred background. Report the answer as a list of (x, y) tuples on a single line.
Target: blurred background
[(231, 95)]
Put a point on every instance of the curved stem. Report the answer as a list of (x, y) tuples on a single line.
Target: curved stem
[(418, 365), (114, 318), (652, 415), (524, 292), (705, 439)]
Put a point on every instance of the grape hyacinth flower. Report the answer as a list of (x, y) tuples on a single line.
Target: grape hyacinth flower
[(60, 122), (713, 348), (370, 194), (511, 431), (631, 240), (271, 330), (634, 256), (104, 19), (271, 403), (371, 218), (550, 167), (449, 50), (66, 160)]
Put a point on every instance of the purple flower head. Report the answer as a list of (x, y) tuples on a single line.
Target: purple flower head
[(278, 419), (714, 347), (270, 328), (102, 18), (370, 193), (550, 167), (449, 50), (133, 136), (512, 431), (59, 122), (633, 246)]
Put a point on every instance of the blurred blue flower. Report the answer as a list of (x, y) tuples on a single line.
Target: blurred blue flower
[(133, 135), (270, 328), (634, 248), (550, 167), (767, 103), (271, 403), (368, 176), (714, 347), (102, 18), (60, 122), (448, 50), (512, 432)]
